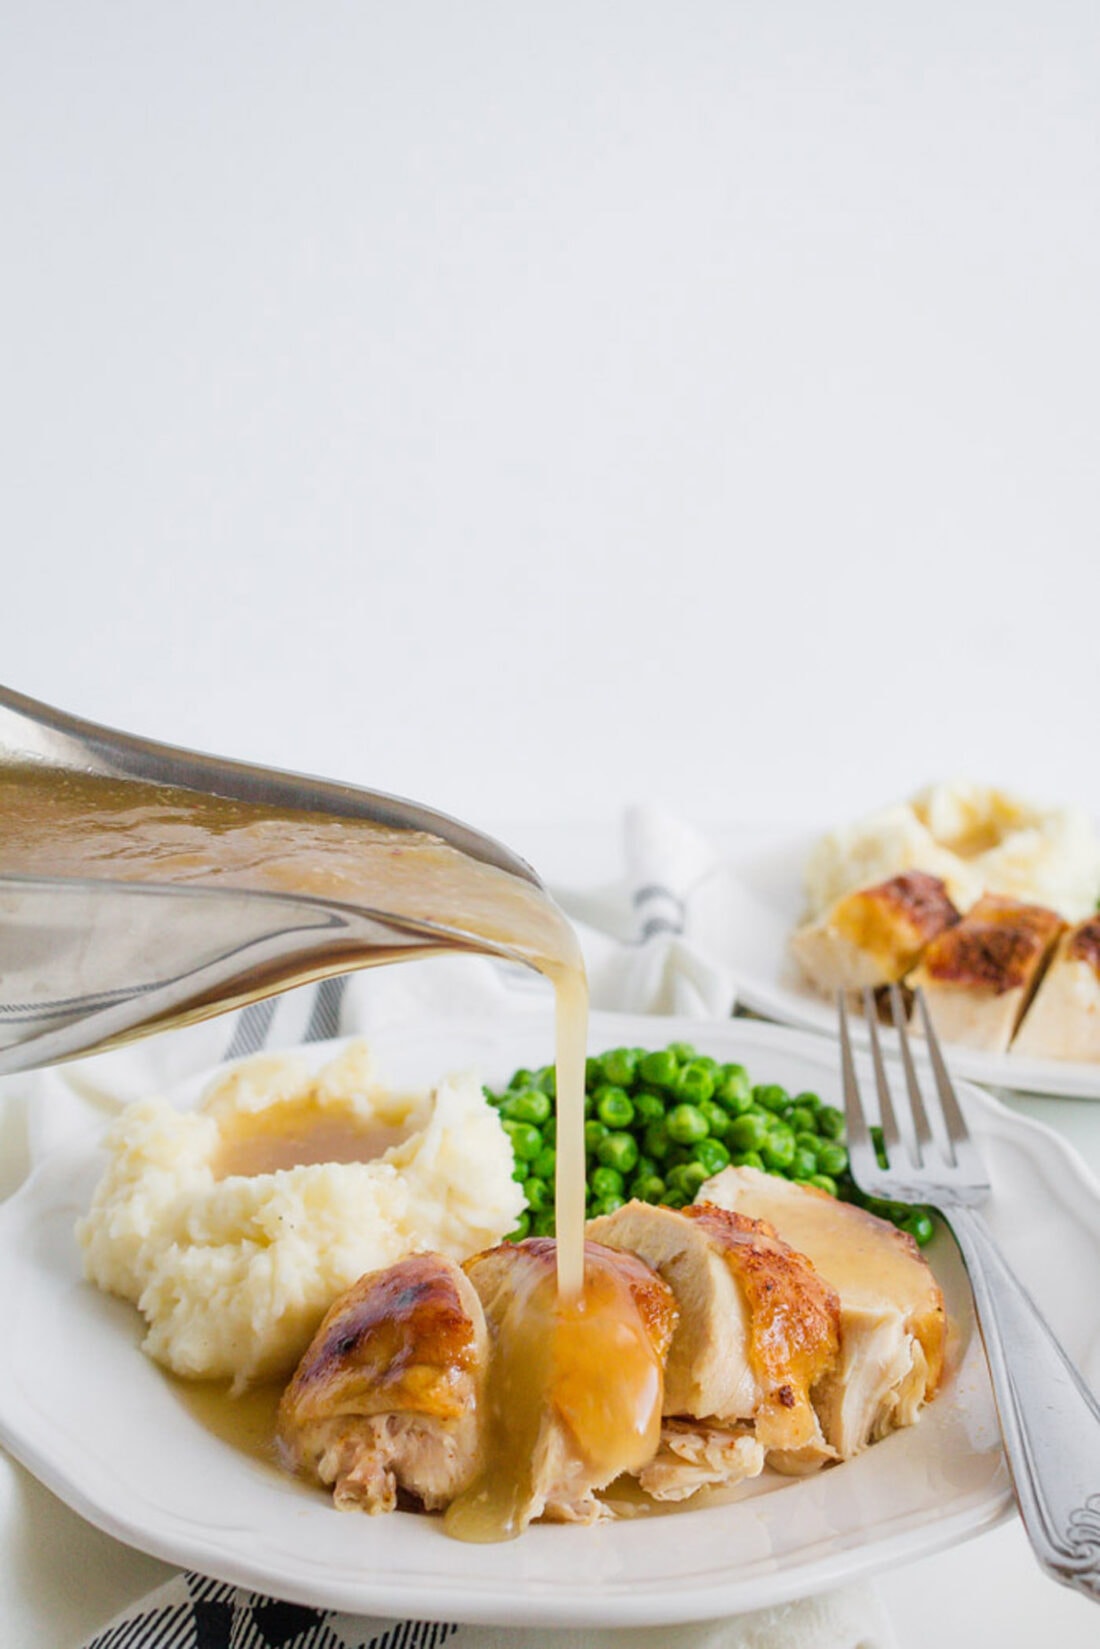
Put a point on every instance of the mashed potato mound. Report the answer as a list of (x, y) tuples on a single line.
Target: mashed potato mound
[(234, 1274), (976, 838)]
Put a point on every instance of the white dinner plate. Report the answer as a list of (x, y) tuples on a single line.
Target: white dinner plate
[(101, 1426), (768, 902)]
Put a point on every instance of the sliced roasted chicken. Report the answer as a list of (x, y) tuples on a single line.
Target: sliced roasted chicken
[(694, 1456), (892, 1321), (873, 936), (1063, 1022), (758, 1327), (388, 1395), (979, 976), (575, 1388)]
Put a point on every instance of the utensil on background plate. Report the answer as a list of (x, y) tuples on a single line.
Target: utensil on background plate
[(1050, 1422)]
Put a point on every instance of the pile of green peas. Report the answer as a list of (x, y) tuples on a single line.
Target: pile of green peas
[(661, 1121)]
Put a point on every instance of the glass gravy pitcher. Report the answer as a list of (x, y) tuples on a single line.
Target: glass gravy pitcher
[(143, 886)]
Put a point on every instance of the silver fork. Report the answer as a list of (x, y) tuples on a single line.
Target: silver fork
[(1050, 1422)]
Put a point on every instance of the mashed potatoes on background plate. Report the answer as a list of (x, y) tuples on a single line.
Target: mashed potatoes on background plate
[(233, 1274), (976, 838)]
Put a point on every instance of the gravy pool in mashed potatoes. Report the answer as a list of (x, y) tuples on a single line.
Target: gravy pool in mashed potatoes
[(233, 1260)]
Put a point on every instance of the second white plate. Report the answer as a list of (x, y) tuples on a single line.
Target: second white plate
[(767, 903)]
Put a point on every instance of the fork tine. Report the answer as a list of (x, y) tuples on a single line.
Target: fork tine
[(921, 1129), (891, 1134), (959, 1143), (861, 1150)]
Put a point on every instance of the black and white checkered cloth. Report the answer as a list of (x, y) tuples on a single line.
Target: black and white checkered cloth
[(193, 1612)]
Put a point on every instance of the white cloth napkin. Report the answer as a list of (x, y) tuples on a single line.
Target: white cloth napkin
[(653, 943)]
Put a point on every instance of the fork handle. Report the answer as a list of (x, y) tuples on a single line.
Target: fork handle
[(1049, 1419)]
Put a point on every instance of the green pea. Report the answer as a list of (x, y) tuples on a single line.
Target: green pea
[(832, 1159), (806, 1140), (748, 1132), (613, 1106), (675, 1199), (878, 1140), (545, 1164), (605, 1205), (719, 1122), (686, 1124), (520, 1170), (620, 1067), (808, 1101), (594, 1131), (648, 1104), (547, 1080), (919, 1226), (593, 1071), (733, 1089), (895, 1212), (682, 1052), (490, 1097), (803, 1163), (694, 1083), (538, 1193), (677, 1156), (830, 1122), (526, 1140), (708, 1064), (606, 1182), (711, 1155), (550, 1130), (824, 1182), (647, 1187), (659, 1068), (688, 1178), (748, 1159), (655, 1140), (543, 1224), (530, 1105), (618, 1151), (778, 1149), (801, 1119), (520, 1229), (769, 1096)]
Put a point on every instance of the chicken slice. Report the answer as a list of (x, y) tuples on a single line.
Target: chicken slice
[(1063, 1022), (695, 1456), (979, 976), (575, 1389), (389, 1393), (758, 1327), (873, 936), (892, 1321)]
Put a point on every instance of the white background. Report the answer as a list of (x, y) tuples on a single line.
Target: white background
[(527, 408), (530, 409)]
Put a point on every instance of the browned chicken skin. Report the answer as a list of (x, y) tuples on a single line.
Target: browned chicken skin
[(388, 1395), (979, 976), (873, 936)]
